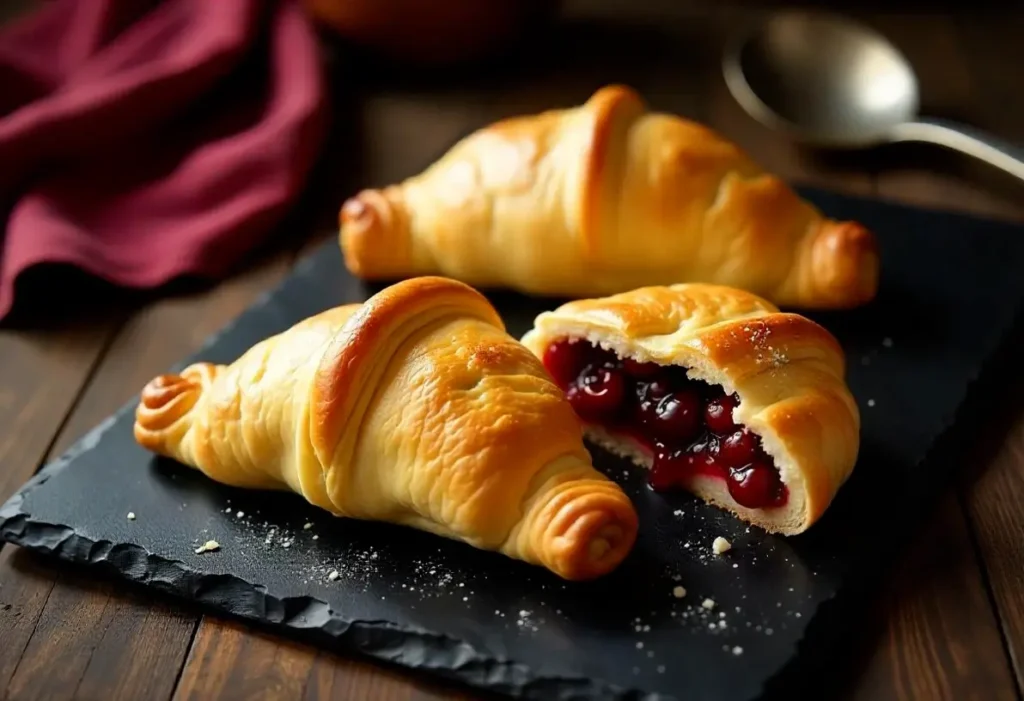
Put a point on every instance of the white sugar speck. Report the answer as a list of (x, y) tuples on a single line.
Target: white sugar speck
[(737, 651), (721, 545), (333, 576), (240, 514), (316, 537), (307, 526), (871, 402), (678, 592), (708, 604), (640, 645), (131, 515)]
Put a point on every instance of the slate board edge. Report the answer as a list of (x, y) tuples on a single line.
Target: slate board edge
[(305, 616), (482, 671), (447, 656), (942, 454)]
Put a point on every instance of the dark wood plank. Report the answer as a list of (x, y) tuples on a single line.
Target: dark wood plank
[(942, 639), (994, 504), (994, 495), (231, 661), (41, 375), (106, 642)]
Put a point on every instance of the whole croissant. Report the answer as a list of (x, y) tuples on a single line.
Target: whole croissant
[(601, 199), (414, 408)]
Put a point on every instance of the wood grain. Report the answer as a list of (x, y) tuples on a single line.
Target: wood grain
[(231, 661), (68, 635), (994, 495), (41, 374), (109, 636)]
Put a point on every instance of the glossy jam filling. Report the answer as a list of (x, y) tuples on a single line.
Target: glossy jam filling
[(686, 424)]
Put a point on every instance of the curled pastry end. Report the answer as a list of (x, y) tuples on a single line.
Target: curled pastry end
[(845, 264), (586, 530), (375, 234), (165, 401)]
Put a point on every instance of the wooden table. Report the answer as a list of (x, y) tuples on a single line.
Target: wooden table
[(948, 625)]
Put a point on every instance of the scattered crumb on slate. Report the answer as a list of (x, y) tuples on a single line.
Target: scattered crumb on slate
[(678, 592), (708, 604), (737, 651), (307, 526), (240, 514), (721, 545), (334, 575), (208, 547), (131, 515)]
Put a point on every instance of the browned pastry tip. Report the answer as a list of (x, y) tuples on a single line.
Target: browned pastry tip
[(584, 528), (165, 400), (375, 234), (845, 264)]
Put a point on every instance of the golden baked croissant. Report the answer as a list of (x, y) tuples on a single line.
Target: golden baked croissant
[(713, 389), (414, 408), (601, 199)]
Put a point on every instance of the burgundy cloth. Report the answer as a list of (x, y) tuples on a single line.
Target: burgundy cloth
[(143, 140)]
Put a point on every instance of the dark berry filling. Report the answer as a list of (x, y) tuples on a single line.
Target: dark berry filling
[(686, 424)]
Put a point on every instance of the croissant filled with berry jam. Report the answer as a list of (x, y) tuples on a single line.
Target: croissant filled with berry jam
[(715, 391)]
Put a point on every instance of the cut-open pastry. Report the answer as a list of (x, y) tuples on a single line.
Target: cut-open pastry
[(414, 408), (715, 391)]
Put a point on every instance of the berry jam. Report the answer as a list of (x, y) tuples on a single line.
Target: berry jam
[(686, 424)]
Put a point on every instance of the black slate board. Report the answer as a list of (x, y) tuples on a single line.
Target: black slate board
[(951, 292)]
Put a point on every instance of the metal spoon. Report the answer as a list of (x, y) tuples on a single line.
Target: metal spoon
[(832, 82)]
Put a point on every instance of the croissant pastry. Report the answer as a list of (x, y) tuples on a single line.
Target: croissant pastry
[(415, 408), (602, 199), (714, 390)]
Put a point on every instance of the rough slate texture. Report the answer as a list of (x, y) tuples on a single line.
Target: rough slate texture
[(951, 292)]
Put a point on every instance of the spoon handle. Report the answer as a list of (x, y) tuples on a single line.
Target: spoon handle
[(965, 139)]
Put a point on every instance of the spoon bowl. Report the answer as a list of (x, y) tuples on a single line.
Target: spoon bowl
[(832, 82)]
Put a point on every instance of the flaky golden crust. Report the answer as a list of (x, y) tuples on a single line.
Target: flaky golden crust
[(787, 371), (414, 408), (604, 198)]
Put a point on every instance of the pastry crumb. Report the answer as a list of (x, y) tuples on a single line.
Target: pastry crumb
[(208, 547), (307, 526), (678, 592), (708, 604), (737, 651), (316, 537), (333, 576), (721, 545), (240, 514), (131, 516)]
